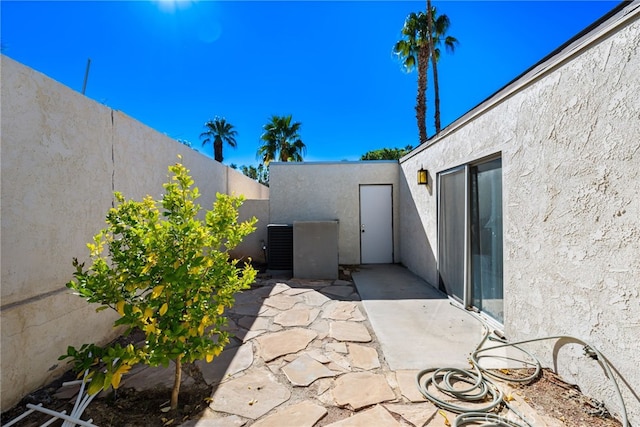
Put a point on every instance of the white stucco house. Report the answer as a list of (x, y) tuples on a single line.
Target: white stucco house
[(530, 212)]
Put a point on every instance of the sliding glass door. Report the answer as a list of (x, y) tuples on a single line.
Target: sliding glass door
[(470, 235), (452, 220)]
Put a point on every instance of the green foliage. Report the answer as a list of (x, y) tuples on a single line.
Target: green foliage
[(281, 141), (386, 153), (167, 273), (260, 173)]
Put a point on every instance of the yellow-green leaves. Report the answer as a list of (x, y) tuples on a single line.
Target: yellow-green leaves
[(167, 273)]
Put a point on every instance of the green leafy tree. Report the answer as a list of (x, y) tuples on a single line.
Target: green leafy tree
[(259, 173), (166, 273), (281, 141), (422, 34), (219, 131), (386, 153)]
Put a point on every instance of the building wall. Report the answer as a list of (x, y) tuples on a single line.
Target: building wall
[(570, 145), (62, 156), (330, 191)]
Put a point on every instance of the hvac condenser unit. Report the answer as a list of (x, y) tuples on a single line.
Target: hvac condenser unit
[(280, 247)]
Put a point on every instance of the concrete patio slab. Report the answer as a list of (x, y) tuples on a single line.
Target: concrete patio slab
[(416, 325)]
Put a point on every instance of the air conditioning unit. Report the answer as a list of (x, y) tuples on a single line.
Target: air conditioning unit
[(280, 247)]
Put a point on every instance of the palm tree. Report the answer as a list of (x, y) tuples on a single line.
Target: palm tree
[(437, 29), (414, 49), (414, 52), (218, 132), (281, 141)]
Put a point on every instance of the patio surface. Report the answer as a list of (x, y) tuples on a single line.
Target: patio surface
[(333, 353)]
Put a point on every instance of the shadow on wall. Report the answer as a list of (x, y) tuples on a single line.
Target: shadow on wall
[(417, 253)]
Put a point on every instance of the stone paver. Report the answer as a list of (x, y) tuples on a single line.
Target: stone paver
[(282, 302), (206, 420), (299, 354), (254, 323), (228, 363), (303, 414), (417, 414), (363, 357), (343, 310), (304, 370), (315, 299), (349, 331), (376, 416), (297, 317), (278, 344), (360, 389), (339, 291), (251, 395), (407, 383)]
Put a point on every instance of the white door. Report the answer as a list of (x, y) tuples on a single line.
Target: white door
[(376, 224)]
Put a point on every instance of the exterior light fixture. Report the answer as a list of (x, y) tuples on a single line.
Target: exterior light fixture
[(423, 177)]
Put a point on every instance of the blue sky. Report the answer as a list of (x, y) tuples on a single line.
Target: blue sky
[(174, 65)]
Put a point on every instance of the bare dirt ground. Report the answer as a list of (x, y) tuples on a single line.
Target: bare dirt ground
[(548, 395)]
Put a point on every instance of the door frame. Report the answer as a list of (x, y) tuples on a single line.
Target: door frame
[(392, 240), (467, 299)]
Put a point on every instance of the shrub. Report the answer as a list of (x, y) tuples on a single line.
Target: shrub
[(167, 273)]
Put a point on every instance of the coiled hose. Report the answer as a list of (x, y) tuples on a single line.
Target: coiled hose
[(443, 379)]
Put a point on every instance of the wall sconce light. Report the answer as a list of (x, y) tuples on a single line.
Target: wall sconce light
[(423, 177)]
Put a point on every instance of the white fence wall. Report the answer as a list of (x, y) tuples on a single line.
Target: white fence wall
[(62, 156)]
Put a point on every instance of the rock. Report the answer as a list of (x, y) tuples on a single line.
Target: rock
[(376, 416), (278, 344), (282, 302), (349, 331), (417, 414), (251, 395), (228, 363), (305, 370), (363, 357), (342, 310), (297, 317), (360, 389), (408, 387), (303, 414), (315, 299), (339, 291)]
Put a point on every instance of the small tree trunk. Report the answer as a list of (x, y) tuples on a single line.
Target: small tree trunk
[(176, 383)]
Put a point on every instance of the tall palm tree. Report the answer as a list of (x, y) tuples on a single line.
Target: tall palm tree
[(219, 131), (437, 29), (281, 141), (414, 52), (415, 49)]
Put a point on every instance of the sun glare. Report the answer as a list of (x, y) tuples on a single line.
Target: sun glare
[(171, 6)]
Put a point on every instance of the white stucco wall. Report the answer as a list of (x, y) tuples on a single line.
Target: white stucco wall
[(62, 156), (329, 191), (570, 144)]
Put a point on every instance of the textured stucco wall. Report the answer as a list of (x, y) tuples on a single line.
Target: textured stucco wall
[(62, 156), (330, 191), (570, 145)]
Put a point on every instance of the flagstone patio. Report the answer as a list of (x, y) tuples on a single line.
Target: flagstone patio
[(303, 354)]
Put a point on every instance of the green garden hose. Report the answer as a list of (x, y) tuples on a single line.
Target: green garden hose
[(443, 379)]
